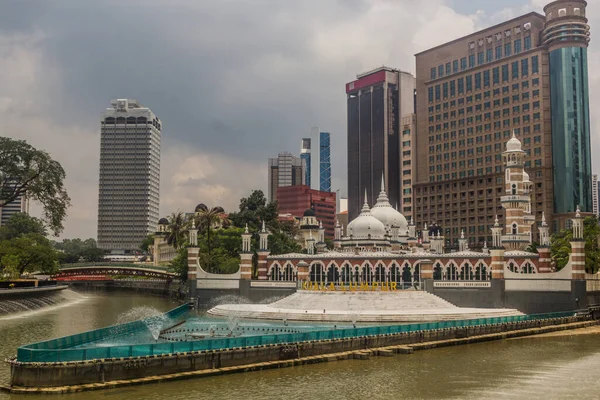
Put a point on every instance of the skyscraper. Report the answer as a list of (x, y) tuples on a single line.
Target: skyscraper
[(18, 205), (285, 170), (129, 175), (319, 161), (377, 101), (527, 76)]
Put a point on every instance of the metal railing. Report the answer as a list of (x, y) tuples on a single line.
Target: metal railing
[(58, 350)]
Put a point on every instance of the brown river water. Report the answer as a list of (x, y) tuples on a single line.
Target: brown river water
[(551, 367)]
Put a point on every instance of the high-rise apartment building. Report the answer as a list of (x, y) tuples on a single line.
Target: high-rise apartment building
[(316, 152), (595, 195), (285, 170), (18, 205), (129, 175), (527, 76), (377, 101)]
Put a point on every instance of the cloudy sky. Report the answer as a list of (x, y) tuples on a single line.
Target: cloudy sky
[(234, 81)]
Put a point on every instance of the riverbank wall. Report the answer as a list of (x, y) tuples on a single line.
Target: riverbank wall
[(64, 377), (28, 299)]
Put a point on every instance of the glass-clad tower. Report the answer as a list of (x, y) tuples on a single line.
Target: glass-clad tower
[(325, 162), (317, 161), (567, 34)]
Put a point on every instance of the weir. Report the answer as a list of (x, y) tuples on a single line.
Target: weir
[(187, 343)]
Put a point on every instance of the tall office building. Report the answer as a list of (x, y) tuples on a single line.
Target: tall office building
[(316, 152), (18, 205), (527, 75), (595, 195), (285, 170), (295, 200), (377, 102), (129, 176)]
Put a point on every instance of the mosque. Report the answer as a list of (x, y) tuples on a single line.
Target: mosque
[(381, 246)]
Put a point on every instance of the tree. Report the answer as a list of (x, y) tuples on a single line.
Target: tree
[(25, 170), (254, 209), (146, 243), (179, 264), (21, 224), (206, 218), (28, 253), (560, 246), (177, 230), (73, 250)]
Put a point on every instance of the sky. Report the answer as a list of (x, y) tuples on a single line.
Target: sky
[(234, 81)]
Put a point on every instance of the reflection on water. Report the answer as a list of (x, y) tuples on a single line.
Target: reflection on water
[(533, 368)]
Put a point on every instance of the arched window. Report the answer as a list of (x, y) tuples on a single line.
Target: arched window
[(380, 273), (406, 275), (317, 273), (275, 273), (512, 267), (346, 273), (452, 273), (395, 275), (288, 273), (333, 275), (514, 229), (437, 272), (366, 274), (417, 273), (514, 189), (481, 272), (527, 268), (466, 272)]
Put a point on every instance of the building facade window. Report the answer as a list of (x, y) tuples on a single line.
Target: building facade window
[(527, 43), (517, 46), (498, 52), (507, 49), (535, 65)]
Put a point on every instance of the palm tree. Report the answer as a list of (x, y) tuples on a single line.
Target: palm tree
[(206, 218), (177, 230)]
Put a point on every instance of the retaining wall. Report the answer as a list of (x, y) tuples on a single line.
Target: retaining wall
[(155, 287)]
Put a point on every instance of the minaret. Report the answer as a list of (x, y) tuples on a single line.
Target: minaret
[(337, 238), (426, 242), (517, 199), (497, 251), (263, 252), (496, 234), (246, 255), (462, 242), (192, 262), (545, 262), (577, 258), (321, 245)]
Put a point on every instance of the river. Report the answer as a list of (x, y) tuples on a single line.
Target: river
[(560, 367)]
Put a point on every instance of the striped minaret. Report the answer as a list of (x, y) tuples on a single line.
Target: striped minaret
[(192, 251), (246, 256), (517, 201), (263, 252), (545, 263), (577, 258)]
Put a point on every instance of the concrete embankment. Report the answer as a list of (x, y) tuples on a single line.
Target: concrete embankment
[(18, 300), (45, 378)]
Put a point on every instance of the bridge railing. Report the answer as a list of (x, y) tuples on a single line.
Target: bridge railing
[(114, 265)]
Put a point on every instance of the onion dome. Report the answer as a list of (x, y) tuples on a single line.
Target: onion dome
[(366, 226), (513, 144), (163, 221), (200, 207), (309, 212), (385, 213)]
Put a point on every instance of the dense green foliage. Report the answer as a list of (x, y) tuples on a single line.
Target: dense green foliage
[(77, 250), (179, 264), (560, 246), (26, 170), (24, 248), (177, 231)]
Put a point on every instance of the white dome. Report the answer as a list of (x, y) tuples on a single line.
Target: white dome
[(513, 144), (366, 226), (389, 216), (526, 177)]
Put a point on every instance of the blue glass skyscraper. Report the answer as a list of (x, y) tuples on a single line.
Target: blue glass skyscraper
[(318, 162), (566, 34)]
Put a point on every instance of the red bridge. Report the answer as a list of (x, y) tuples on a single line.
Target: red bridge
[(96, 272)]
